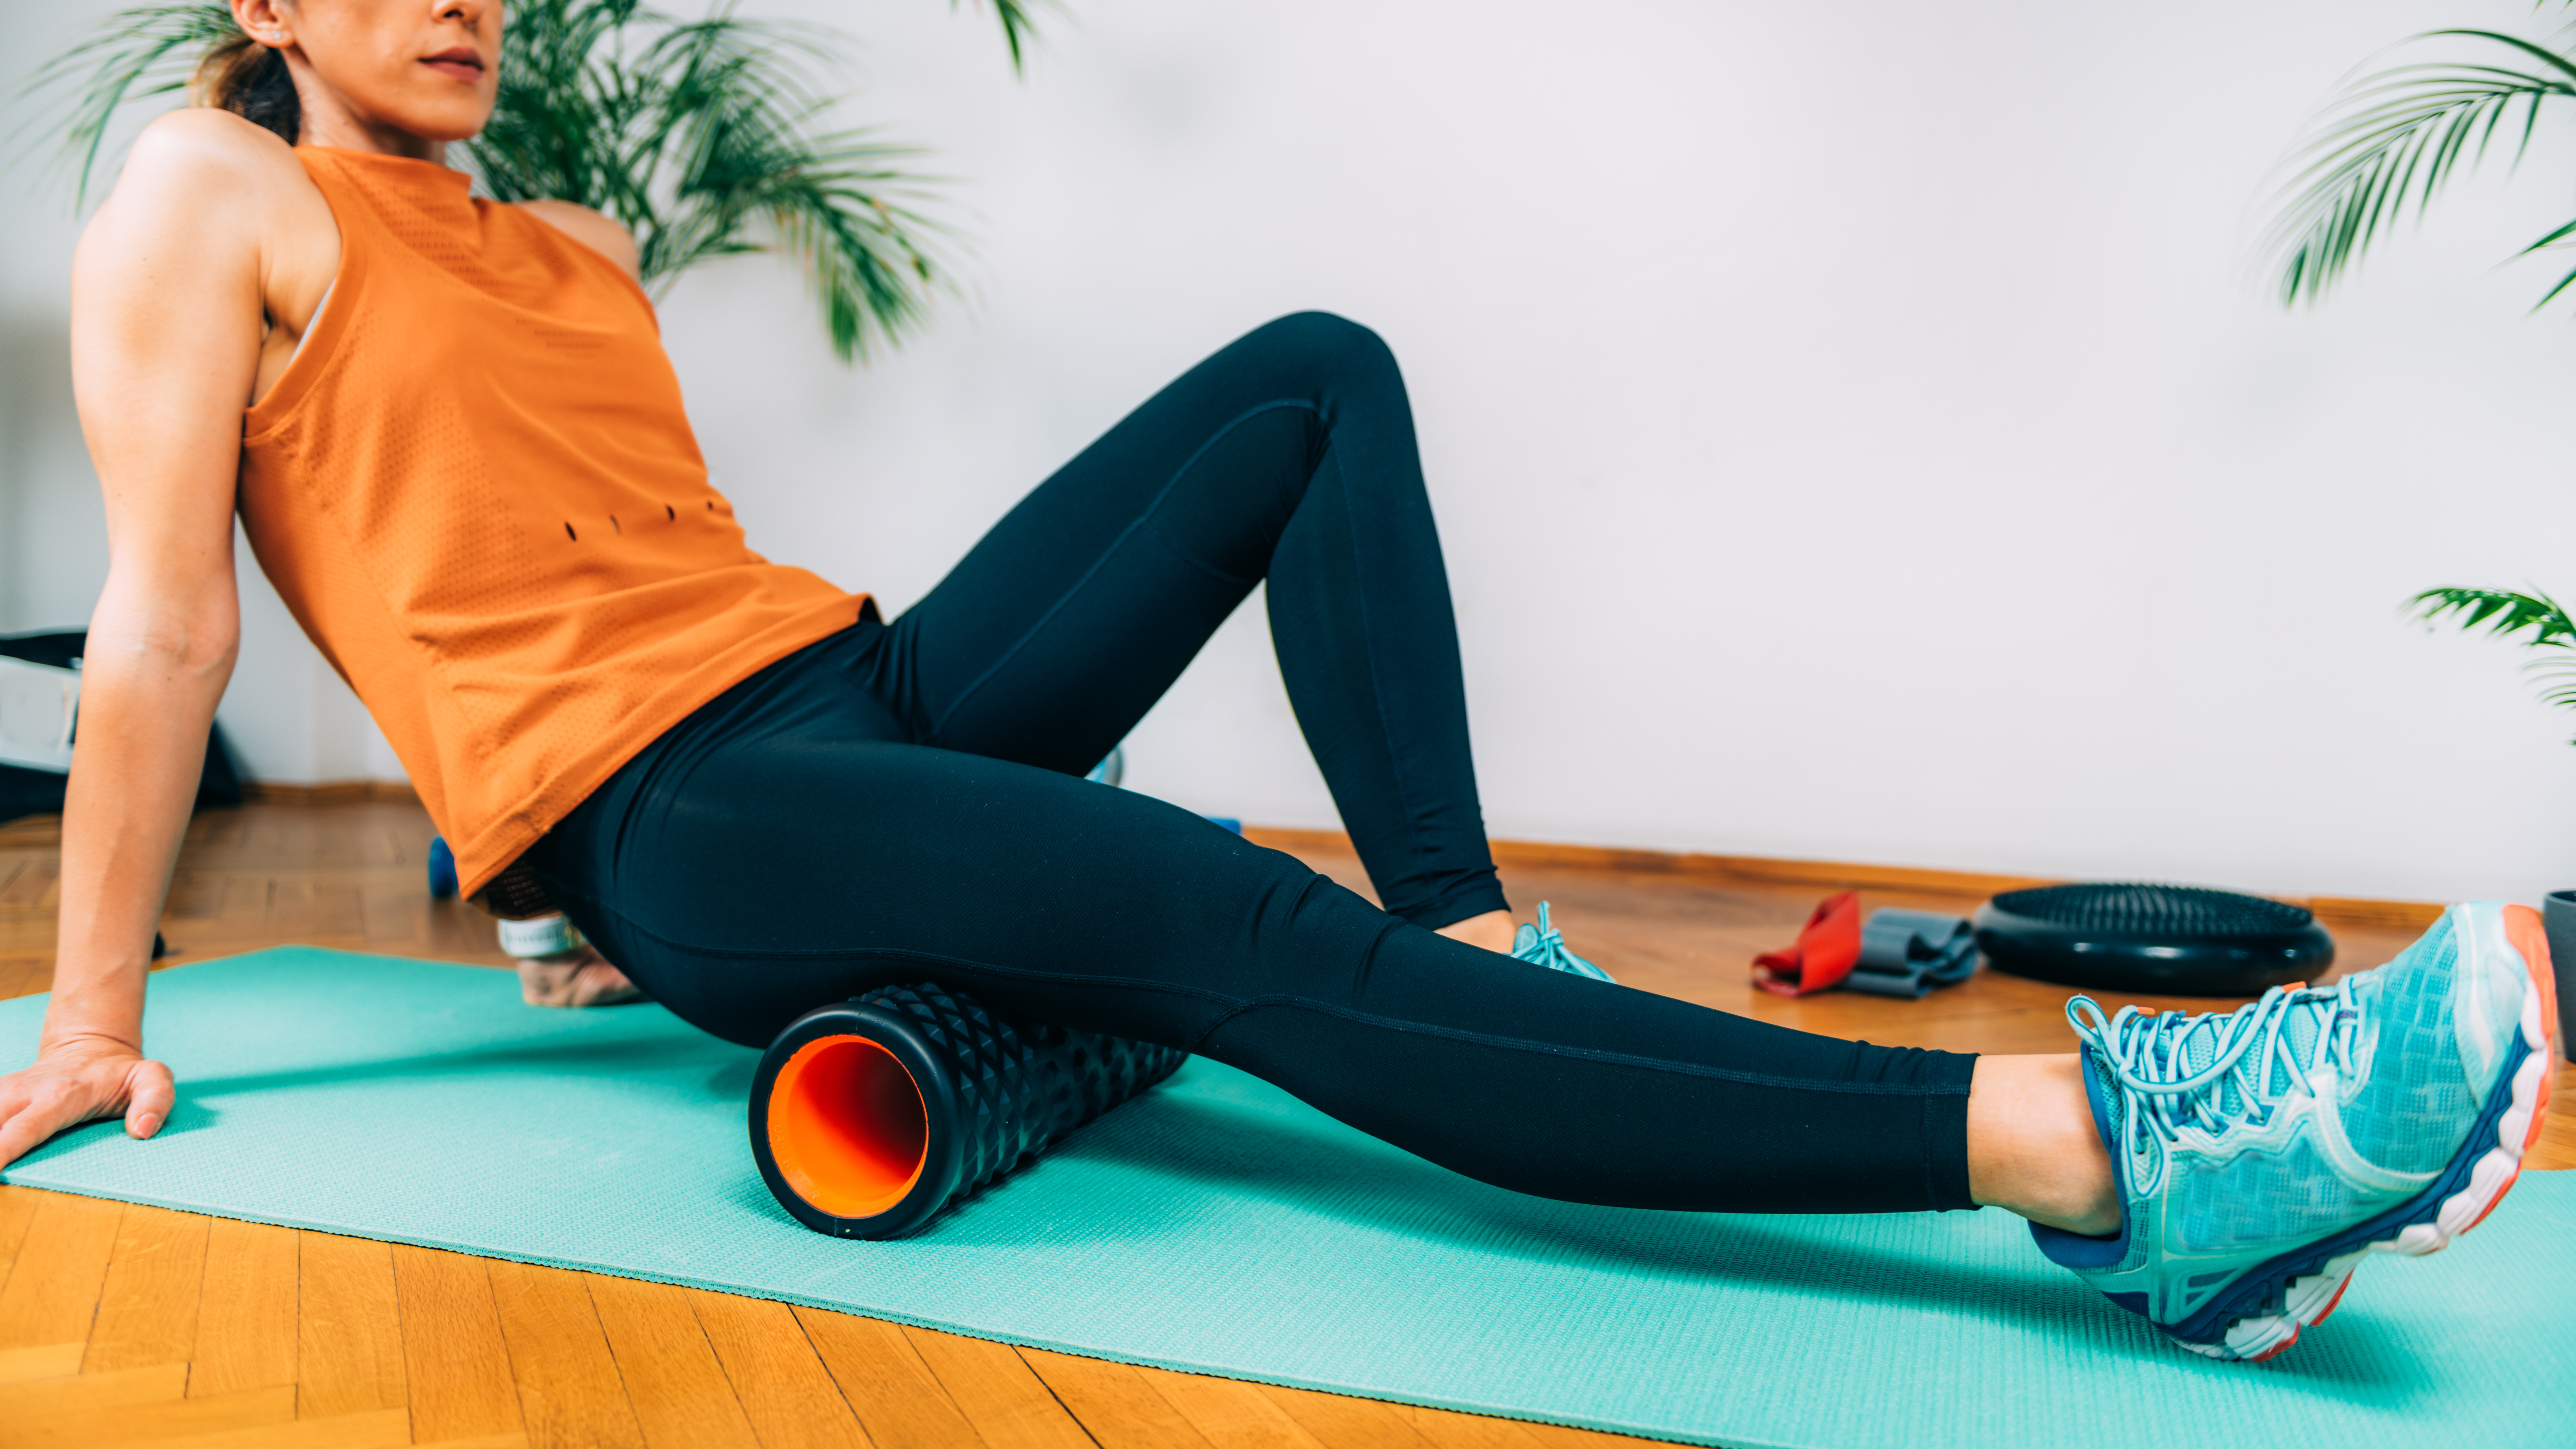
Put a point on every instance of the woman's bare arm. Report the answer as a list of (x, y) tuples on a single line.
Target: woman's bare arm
[(168, 293)]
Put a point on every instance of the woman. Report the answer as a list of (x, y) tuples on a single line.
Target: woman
[(464, 464)]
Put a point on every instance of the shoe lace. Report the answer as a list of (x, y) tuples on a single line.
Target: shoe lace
[(2214, 1071), (1544, 945)]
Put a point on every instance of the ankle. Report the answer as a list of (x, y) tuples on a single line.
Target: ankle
[(2033, 1148), (1493, 931)]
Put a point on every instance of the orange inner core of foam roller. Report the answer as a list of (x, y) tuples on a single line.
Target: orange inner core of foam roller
[(846, 1126)]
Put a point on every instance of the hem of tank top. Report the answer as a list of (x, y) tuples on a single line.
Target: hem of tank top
[(313, 352), (512, 834)]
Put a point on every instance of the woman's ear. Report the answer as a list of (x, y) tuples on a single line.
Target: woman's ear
[(265, 21)]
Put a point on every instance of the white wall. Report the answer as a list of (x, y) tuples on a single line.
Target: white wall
[(288, 716), (1854, 430)]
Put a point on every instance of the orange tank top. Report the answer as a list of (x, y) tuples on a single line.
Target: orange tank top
[(476, 489)]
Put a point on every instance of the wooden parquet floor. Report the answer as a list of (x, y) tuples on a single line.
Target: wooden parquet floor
[(126, 1325)]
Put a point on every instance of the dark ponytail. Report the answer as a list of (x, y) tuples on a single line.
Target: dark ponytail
[(250, 80)]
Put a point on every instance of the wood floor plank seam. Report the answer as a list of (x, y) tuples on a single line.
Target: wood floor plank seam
[(349, 1351), (1001, 1397), (548, 1370), (61, 1269), (157, 1421), (161, 1383), (40, 1362), (448, 1372), (785, 1404), (1059, 1398), (709, 1340), (164, 1306), (658, 1371), (900, 1403), (252, 1280), (625, 1391), (837, 1386), (17, 1214)]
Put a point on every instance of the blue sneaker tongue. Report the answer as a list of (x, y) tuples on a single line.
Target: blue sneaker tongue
[(2276, 1070), (2198, 1048), (2103, 1092), (2301, 1025)]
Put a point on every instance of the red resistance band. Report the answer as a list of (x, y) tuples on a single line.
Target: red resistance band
[(1828, 946)]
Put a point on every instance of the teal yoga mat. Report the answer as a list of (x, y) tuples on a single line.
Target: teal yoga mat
[(1218, 1225)]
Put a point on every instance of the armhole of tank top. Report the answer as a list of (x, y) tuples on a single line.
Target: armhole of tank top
[(287, 394), (311, 326)]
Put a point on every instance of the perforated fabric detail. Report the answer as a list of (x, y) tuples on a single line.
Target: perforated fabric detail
[(2415, 1110), (477, 490), (2258, 1198)]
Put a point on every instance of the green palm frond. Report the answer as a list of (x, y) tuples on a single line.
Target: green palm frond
[(2557, 683), (2388, 144), (2505, 614), (138, 54), (1019, 26), (705, 138)]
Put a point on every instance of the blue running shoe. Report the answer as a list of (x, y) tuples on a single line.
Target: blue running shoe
[(2263, 1153), (1544, 945)]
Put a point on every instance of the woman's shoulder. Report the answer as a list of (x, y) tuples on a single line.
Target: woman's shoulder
[(595, 230), (198, 149), (209, 210), (211, 177)]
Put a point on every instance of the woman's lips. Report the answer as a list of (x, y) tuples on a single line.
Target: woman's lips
[(460, 63)]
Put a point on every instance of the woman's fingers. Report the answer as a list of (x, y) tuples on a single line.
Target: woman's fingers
[(38, 1109), (577, 979), (149, 1094), (18, 1129), (602, 984), (66, 1088)]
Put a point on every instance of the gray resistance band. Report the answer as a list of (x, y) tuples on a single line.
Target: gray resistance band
[(1907, 953)]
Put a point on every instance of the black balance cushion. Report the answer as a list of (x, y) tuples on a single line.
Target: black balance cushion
[(2154, 940)]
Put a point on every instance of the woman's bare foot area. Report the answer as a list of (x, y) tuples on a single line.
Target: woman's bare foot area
[(1492, 930), (576, 978)]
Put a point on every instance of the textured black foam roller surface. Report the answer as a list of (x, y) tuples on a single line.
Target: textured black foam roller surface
[(2152, 939), (996, 1091), (1023, 1087)]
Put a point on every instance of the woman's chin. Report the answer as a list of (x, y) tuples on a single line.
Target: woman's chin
[(441, 122)]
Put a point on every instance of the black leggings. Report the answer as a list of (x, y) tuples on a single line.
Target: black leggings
[(903, 802)]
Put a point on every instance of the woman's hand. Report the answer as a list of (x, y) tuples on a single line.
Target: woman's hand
[(82, 1079), (576, 978)]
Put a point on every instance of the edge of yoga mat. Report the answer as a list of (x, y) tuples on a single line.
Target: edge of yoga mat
[(1217, 1226)]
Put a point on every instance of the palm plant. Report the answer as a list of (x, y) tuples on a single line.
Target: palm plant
[(2506, 614), (705, 138), (2389, 141), (2385, 146)]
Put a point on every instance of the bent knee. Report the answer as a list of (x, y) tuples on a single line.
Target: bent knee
[(1324, 346)]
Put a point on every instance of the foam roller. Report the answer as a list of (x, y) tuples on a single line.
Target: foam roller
[(871, 1116)]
